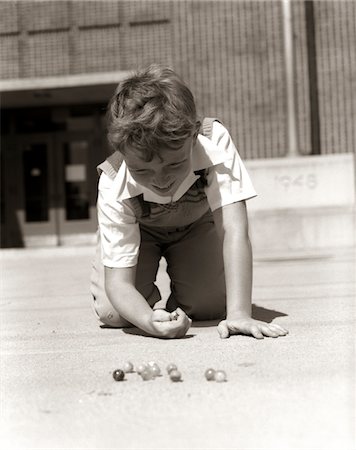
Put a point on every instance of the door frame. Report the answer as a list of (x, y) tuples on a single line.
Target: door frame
[(56, 230)]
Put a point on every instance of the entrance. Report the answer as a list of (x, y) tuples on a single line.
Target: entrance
[(49, 183)]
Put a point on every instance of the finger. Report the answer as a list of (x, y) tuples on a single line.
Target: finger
[(267, 331), (180, 312), (171, 329), (184, 325), (256, 332), (184, 319), (160, 315), (181, 316), (182, 331), (223, 329), (188, 323), (279, 328), (174, 315)]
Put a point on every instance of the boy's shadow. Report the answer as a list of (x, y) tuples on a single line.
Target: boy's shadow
[(138, 332), (258, 313), (266, 315)]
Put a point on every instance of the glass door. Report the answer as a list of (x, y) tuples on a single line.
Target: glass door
[(76, 187), (53, 180), (35, 206)]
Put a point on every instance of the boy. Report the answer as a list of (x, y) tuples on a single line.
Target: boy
[(176, 189)]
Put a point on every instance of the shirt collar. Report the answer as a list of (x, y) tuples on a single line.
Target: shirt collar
[(205, 154)]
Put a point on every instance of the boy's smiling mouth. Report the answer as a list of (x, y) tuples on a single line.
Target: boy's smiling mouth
[(164, 189)]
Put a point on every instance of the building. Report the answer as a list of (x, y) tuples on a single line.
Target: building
[(61, 60)]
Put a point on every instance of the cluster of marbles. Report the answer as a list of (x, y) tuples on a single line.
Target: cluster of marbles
[(151, 370), (173, 372), (215, 375)]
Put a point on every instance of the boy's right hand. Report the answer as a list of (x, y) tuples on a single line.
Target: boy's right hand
[(171, 329)]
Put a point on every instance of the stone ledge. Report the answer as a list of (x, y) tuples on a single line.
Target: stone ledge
[(305, 182), (302, 230)]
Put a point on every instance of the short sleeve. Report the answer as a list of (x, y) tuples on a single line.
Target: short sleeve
[(227, 182), (118, 227)]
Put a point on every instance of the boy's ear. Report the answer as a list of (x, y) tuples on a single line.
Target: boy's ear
[(197, 128)]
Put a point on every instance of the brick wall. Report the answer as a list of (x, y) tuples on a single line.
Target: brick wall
[(238, 73), (230, 53)]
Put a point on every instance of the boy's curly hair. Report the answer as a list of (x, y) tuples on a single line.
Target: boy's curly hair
[(150, 111)]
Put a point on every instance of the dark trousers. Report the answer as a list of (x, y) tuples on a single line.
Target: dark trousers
[(194, 265)]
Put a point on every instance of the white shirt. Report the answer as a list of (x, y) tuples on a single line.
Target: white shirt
[(227, 182)]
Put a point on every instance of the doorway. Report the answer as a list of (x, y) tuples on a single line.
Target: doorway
[(49, 188)]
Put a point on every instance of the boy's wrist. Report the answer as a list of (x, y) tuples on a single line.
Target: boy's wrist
[(147, 325), (238, 314), (238, 306), (233, 317)]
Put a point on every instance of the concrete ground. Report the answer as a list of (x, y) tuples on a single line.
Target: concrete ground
[(295, 392)]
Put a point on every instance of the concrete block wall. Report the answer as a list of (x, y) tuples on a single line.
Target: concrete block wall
[(304, 204)]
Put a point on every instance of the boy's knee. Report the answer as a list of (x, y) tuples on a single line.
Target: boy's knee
[(204, 307), (211, 309), (208, 315)]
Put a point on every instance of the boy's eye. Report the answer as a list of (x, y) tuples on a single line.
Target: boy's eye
[(177, 164), (139, 171)]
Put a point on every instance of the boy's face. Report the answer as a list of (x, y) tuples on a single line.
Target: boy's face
[(164, 174)]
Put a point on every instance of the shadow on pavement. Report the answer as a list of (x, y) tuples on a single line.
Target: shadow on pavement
[(258, 313), (264, 314), (139, 332)]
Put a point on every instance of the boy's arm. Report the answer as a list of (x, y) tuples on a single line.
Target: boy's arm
[(120, 235), (232, 226), (132, 306)]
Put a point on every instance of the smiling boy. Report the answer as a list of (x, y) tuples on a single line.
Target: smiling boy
[(173, 188)]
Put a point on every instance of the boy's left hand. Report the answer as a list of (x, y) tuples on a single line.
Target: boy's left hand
[(249, 326)]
